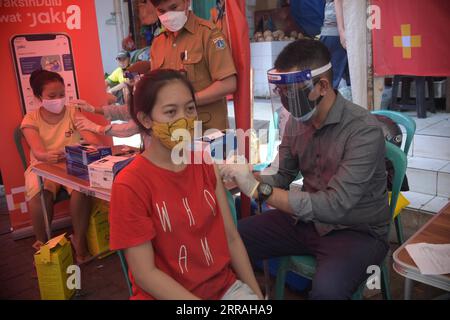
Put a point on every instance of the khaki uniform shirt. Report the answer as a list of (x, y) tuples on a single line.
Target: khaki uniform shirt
[(202, 51)]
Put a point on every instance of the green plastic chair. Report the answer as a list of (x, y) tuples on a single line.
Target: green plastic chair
[(306, 265), (18, 140), (410, 125), (403, 120), (124, 263), (19, 146)]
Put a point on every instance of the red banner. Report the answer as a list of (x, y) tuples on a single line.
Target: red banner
[(240, 48), (78, 20), (412, 38)]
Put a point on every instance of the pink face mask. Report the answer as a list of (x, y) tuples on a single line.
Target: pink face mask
[(54, 105), (173, 20)]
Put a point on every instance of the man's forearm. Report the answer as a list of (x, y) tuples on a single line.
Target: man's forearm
[(280, 200), (216, 91)]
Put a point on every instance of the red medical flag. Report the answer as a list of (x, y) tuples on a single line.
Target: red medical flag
[(413, 38), (240, 48)]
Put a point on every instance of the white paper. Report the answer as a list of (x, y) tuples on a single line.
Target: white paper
[(430, 258)]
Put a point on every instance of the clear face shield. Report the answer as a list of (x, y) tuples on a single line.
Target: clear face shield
[(290, 93)]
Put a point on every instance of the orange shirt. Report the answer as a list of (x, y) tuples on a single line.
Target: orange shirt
[(203, 52)]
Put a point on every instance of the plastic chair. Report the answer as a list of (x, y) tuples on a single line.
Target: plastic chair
[(19, 146), (403, 120), (420, 103), (410, 125), (18, 140), (124, 263), (306, 265)]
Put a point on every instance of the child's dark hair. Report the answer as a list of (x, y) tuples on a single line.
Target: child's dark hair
[(39, 78), (144, 97), (304, 54)]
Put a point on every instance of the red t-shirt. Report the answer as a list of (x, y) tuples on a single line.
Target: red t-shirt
[(179, 213)]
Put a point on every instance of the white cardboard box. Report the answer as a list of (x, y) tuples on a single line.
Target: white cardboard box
[(103, 171)]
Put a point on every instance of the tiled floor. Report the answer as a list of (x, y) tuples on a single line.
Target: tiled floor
[(103, 279)]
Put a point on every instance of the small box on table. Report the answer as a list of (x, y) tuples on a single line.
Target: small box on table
[(78, 157), (103, 171), (86, 154)]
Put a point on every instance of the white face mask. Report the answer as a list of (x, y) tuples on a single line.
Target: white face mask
[(173, 20), (54, 105)]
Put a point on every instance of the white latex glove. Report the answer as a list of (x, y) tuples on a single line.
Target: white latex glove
[(242, 174), (83, 105), (82, 123)]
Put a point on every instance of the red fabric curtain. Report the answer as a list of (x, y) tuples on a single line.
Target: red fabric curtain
[(412, 39), (240, 48)]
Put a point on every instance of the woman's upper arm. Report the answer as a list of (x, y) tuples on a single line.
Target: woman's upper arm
[(230, 227), (33, 140), (140, 258)]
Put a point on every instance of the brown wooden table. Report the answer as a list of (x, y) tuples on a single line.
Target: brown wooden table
[(435, 231)]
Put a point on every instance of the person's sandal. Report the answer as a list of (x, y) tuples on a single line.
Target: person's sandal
[(36, 246), (79, 260), (84, 259)]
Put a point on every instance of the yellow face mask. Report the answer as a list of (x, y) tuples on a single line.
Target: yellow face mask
[(163, 131)]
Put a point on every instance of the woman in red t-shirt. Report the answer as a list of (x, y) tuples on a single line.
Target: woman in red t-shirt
[(173, 220)]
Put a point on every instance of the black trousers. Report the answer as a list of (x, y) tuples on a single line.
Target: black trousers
[(342, 255)]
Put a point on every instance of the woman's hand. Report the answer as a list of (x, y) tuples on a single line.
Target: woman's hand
[(82, 124), (343, 40), (54, 156), (82, 105)]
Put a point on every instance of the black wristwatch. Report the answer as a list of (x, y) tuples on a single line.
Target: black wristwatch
[(264, 191)]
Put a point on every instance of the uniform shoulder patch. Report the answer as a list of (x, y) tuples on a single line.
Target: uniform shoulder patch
[(219, 42)]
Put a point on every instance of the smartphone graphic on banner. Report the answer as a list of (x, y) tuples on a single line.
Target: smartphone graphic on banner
[(52, 52)]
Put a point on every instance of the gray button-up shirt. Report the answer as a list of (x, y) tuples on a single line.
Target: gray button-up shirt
[(343, 169)]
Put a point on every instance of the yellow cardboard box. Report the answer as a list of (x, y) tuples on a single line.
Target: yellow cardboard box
[(402, 203), (98, 230), (51, 262)]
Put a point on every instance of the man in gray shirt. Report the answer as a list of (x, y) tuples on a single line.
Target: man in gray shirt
[(341, 213)]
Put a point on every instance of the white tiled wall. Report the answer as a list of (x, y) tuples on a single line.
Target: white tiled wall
[(263, 55)]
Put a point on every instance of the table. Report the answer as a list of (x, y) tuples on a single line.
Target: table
[(435, 231), (58, 173)]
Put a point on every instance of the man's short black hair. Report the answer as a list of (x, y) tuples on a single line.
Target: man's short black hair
[(155, 2), (304, 54)]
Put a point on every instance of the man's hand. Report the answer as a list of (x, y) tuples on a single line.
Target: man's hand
[(54, 156), (241, 172), (343, 40), (82, 105), (85, 124)]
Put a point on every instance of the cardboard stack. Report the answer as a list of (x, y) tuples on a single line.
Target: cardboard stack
[(52, 261), (78, 157), (103, 171), (98, 230)]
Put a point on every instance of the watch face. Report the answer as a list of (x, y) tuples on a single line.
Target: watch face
[(265, 188)]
